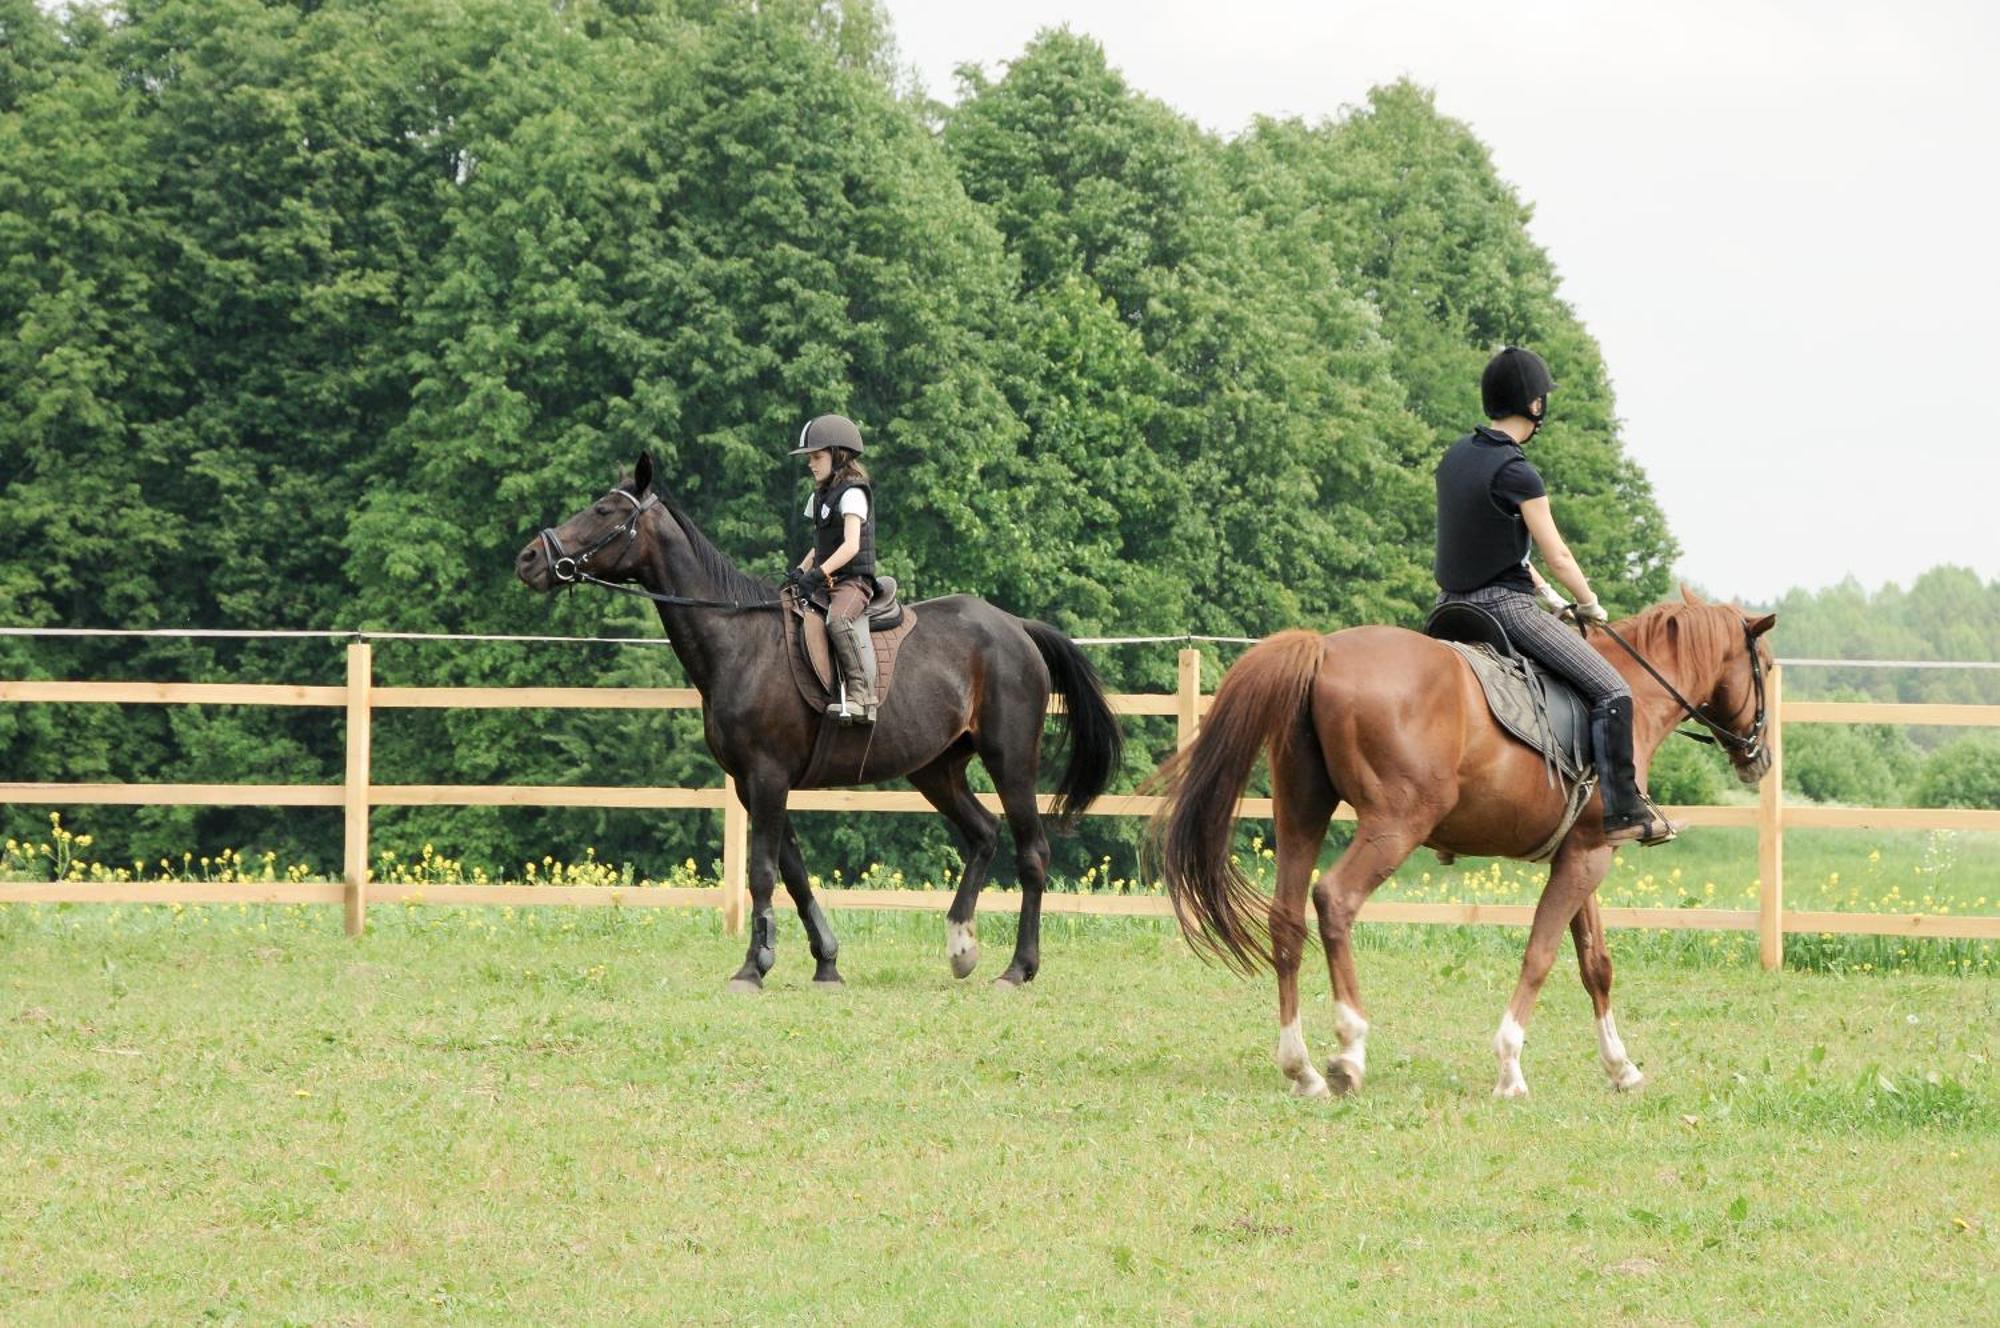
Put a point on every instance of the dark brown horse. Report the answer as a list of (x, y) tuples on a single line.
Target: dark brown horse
[(970, 681), (1395, 723)]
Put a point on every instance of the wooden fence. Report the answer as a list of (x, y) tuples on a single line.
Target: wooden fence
[(356, 794)]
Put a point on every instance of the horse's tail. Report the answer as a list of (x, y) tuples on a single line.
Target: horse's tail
[(1096, 747), (1261, 702)]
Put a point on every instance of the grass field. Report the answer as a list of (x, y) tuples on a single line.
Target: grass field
[(552, 1116)]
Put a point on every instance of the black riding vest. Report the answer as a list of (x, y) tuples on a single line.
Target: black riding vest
[(1477, 542), (830, 530)]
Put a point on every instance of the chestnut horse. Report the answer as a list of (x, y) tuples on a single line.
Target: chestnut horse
[(1396, 724), (972, 680)]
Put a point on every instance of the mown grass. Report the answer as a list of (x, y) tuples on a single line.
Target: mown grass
[(485, 1116)]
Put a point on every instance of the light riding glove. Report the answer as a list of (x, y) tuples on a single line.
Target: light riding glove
[(1592, 612), (1551, 598)]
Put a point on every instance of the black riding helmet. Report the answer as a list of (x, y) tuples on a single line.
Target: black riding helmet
[(1514, 378), (824, 431)]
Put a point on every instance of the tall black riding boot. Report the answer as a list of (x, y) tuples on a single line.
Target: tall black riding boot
[(1627, 813), (856, 653)]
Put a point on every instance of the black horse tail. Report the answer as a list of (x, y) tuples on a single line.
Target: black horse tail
[(1096, 747), (1258, 705)]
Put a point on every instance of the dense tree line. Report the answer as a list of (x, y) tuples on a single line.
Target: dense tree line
[(1946, 615), (315, 311)]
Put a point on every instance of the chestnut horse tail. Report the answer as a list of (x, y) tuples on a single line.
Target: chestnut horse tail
[(1096, 748), (1261, 702)]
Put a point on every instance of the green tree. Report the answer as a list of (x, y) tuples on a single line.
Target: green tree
[(1273, 497), (1421, 225), (216, 209)]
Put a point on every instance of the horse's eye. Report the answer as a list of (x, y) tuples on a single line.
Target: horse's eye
[(602, 509)]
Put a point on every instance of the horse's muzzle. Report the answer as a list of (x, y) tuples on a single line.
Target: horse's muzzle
[(535, 566)]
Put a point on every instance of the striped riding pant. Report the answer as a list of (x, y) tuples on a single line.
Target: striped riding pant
[(1548, 641)]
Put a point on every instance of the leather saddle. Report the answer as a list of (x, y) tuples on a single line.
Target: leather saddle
[(885, 611), (1536, 706), (889, 623)]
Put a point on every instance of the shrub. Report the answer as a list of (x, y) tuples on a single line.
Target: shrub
[(1962, 773), (1870, 765), (1688, 773)]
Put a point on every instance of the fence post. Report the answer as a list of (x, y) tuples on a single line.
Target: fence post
[(735, 857), (354, 790), (1771, 834), (1187, 697)]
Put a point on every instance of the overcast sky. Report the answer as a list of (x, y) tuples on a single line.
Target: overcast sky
[(1778, 220)]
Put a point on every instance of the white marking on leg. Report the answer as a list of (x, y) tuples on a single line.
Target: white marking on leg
[(1507, 1049), (1352, 1030), (1624, 1074), (961, 947), (1296, 1062)]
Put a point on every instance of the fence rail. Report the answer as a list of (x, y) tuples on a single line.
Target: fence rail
[(357, 794)]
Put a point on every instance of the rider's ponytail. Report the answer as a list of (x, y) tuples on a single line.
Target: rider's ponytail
[(847, 469)]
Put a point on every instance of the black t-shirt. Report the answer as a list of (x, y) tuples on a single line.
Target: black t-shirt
[(1517, 482)]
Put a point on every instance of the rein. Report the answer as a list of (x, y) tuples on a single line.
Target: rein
[(1719, 734), (568, 568)]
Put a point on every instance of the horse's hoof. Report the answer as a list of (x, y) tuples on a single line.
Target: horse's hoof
[(746, 986), (1630, 1079), (964, 962), (1009, 981), (1343, 1077), (833, 983), (1509, 1090), (1310, 1087)]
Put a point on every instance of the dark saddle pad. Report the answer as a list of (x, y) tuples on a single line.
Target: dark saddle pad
[(1536, 706)]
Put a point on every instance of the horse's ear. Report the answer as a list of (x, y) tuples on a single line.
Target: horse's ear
[(1688, 596), (642, 474), (1763, 624)]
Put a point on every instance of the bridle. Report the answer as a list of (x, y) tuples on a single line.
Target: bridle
[(1750, 746), (569, 568)]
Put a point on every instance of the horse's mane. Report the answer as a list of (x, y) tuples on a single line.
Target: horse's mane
[(730, 581), (1675, 635)]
